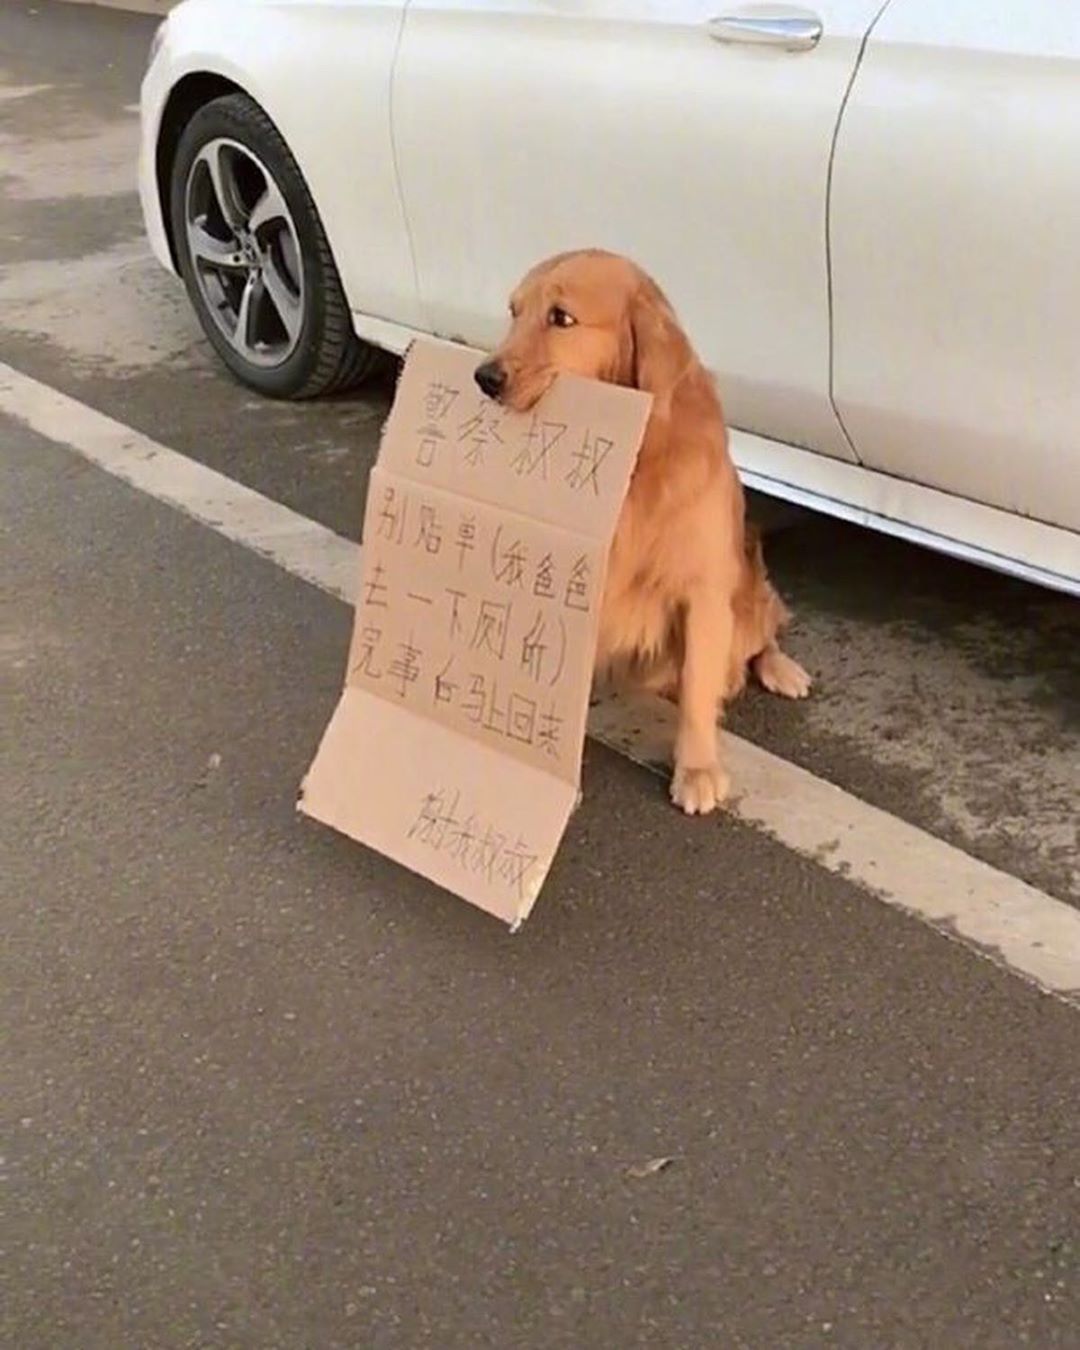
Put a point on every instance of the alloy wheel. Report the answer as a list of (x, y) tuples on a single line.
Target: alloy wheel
[(245, 252)]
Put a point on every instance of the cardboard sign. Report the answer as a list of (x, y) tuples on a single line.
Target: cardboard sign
[(456, 746)]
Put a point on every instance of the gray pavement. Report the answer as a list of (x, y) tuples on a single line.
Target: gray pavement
[(264, 1089)]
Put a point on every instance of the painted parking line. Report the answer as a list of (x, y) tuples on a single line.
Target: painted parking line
[(995, 915)]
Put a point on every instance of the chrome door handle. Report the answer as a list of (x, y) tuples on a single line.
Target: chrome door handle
[(792, 29)]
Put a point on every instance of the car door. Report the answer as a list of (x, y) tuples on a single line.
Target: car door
[(956, 252), (693, 135)]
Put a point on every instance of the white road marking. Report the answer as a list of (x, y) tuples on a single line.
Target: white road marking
[(1002, 918), (294, 542), (13, 91)]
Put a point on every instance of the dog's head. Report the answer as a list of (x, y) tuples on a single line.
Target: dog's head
[(591, 313)]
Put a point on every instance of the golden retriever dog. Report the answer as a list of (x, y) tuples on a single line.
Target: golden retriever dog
[(687, 605)]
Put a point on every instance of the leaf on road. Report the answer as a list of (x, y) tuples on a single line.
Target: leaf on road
[(648, 1169)]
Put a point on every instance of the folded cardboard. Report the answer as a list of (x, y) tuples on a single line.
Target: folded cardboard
[(456, 746)]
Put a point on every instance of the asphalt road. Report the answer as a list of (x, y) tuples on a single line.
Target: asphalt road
[(264, 1089)]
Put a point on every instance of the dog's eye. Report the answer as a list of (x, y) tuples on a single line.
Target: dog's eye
[(559, 318)]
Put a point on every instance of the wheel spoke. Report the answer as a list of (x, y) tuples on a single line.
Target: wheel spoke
[(245, 315), (270, 206), (281, 296), (217, 252), (223, 176)]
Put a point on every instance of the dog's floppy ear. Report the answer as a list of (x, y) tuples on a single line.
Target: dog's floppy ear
[(662, 351)]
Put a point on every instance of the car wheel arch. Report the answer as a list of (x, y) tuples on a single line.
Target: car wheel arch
[(187, 96)]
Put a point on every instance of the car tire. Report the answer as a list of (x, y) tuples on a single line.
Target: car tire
[(255, 258)]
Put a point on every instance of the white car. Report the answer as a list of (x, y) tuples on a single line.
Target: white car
[(867, 214)]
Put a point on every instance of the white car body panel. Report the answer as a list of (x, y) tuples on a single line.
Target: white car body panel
[(626, 124), (449, 144), (956, 253), (954, 525)]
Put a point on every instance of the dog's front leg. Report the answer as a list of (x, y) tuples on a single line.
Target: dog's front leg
[(699, 783)]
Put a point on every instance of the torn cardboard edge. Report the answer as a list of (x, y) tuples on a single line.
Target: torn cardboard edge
[(456, 746)]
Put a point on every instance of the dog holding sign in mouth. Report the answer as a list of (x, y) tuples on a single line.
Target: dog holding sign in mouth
[(688, 607)]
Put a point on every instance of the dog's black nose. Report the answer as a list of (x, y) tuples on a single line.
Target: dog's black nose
[(491, 378)]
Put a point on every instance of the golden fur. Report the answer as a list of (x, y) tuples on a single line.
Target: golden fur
[(687, 605)]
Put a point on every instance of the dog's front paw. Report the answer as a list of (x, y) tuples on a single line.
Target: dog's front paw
[(699, 791), (779, 674)]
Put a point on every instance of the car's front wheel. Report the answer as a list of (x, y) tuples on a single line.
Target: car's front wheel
[(255, 259)]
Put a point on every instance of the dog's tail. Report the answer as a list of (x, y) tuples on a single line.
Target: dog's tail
[(774, 615)]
